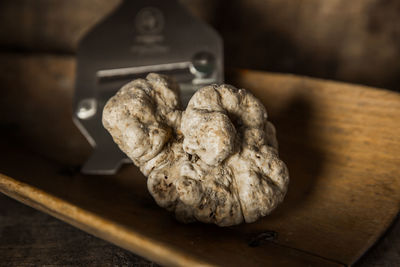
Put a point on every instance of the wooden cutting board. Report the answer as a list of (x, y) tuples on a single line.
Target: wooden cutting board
[(341, 143)]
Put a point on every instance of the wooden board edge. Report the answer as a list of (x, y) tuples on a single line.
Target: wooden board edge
[(242, 71), (375, 239), (87, 221)]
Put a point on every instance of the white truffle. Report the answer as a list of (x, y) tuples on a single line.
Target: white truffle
[(216, 162)]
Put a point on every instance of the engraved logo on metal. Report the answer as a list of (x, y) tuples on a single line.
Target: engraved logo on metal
[(149, 20)]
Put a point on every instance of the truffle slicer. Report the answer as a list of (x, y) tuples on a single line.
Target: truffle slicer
[(139, 37)]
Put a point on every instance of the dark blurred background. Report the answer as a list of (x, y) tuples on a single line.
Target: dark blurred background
[(355, 41)]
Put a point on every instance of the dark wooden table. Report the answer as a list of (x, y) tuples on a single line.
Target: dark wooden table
[(32, 238)]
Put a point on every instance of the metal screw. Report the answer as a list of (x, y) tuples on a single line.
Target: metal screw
[(86, 108), (203, 64)]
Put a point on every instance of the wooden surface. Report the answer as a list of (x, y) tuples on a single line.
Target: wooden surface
[(29, 237), (32, 238), (341, 144)]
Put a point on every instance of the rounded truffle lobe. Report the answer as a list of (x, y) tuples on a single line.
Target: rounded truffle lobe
[(136, 122), (206, 98), (230, 98), (241, 116), (261, 180), (216, 162), (209, 135), (194, 191), (220, 203), (252, 110), (166, 91), (189, 191), (135, 136), (163, 175), (207, 129), (162, 189), (270, 135)]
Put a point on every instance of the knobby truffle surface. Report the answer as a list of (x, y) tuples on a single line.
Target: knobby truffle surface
[(215, 162)]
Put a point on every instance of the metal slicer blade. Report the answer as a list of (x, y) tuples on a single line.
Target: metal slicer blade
[(139, 37)]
